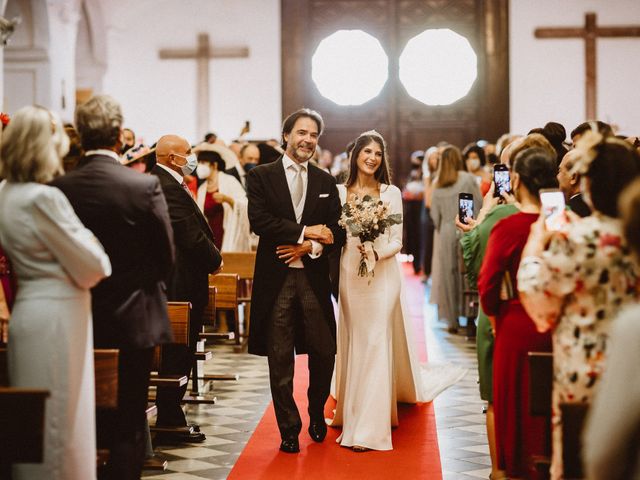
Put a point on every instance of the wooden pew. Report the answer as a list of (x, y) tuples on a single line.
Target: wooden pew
[(540, 387), (22, 415), (573, 419), (210, 321), (243, 264), (205, 335), (106, 394), (179, 316), (106, 381), (226, 298)]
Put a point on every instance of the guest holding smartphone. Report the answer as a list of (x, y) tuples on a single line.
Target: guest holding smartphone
[(518, 435), (574, 282), (451, 180)]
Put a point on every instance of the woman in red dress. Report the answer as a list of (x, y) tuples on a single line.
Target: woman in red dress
[(518, 435)]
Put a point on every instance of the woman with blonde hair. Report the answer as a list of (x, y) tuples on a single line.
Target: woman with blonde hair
[(56, 261)]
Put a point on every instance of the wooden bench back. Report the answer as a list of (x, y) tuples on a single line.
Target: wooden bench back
[(242, 263), (179, 313), (106, 373), (540, 383), (106, 376), (226, 290), (22, 425), (210, 310), (179, 316)]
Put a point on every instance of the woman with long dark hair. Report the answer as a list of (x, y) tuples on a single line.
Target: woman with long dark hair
[(375, 365)]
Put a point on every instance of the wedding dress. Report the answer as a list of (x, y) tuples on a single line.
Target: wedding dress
[(376, 366)]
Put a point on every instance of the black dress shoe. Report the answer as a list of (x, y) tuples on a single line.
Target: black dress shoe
[(317, 431), (290, 445), (172, 438)]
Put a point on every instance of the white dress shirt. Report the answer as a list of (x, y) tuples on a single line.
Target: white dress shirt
[(316, 247), (104, 151), (179, 178)]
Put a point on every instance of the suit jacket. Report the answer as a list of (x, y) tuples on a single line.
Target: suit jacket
[(272, 217), (127, 212), (234, 173), (578, 205), (196, 254)]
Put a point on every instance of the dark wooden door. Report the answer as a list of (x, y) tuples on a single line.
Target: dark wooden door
[(406, 123)]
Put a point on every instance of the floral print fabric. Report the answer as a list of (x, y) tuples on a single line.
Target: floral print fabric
[(590, 268)]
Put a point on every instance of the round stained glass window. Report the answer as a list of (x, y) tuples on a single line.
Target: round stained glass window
[(349, 67), (438, 67)]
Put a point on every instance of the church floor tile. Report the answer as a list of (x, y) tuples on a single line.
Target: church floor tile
[(241, 404)]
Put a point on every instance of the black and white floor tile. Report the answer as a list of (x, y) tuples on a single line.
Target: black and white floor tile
[(240, 405)]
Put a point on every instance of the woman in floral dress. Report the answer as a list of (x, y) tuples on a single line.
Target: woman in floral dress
[(576, 285)]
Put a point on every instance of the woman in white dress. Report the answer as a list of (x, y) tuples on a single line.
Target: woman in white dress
[(56, 260), (375, 363), (223, 201)]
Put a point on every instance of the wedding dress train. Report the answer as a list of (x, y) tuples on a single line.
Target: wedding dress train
[(376, 366)]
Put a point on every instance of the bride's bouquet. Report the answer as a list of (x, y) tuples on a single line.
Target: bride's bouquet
[(367, 218)]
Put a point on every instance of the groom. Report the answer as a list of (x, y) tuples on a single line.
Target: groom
[(294, 207)]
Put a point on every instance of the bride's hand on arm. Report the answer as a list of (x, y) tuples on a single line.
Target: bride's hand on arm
[(290, 253), (320, 233)]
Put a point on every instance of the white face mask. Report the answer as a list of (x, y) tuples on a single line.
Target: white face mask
[(190, 166), (473, 164), (203, 171)]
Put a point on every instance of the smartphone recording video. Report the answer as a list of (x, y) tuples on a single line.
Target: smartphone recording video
[(465, 207), (553, 206), (501, 180)]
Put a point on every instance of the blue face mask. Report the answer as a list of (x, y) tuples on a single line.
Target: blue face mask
[(190, 166)]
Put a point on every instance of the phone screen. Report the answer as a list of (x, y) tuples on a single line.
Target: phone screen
[(553, 209), (465, 208), (501, 181)]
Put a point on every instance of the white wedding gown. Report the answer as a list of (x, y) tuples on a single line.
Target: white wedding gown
[(376, 366)]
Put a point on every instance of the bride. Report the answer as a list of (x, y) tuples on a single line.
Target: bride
[(375, 364)]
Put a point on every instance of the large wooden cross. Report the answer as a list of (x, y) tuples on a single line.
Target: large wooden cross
[(590, 32), (202, 54)]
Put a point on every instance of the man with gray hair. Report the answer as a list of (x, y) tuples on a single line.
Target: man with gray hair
[(127, 212)]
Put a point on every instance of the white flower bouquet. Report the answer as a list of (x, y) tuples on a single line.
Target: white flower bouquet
[(367, 218)]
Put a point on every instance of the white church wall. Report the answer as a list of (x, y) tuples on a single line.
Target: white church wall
[(159, 96), (26, 68), (547, 79)]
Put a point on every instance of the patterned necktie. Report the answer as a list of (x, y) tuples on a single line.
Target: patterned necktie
[(185, 186), (296, 185)]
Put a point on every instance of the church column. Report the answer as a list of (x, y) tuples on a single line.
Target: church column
[(3, 6), (64, 16)]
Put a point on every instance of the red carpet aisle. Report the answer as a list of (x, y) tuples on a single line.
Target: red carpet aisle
[(415, 454)]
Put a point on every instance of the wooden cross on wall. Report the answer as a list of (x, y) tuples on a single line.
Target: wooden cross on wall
[(590, 32), (202, 54)]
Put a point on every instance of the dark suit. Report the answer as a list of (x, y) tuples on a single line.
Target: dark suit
[(128, 214), (577, 205), (287, 301), (235, 173), (196, 257)]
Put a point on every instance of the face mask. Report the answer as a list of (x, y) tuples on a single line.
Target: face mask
[(190, 166), (203, 171), (249, 166), (473, 164)]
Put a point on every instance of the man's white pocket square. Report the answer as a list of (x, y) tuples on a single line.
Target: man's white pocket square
[(323, 195)]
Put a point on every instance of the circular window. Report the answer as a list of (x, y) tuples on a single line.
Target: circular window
[(349, 67), (438, 67)]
